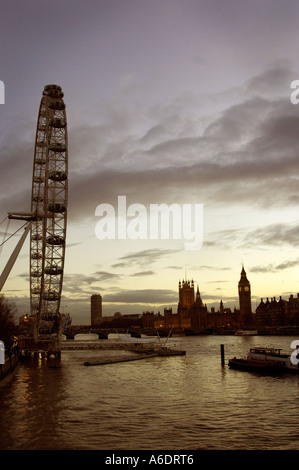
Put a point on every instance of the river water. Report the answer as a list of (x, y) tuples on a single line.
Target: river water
[(162, 403)]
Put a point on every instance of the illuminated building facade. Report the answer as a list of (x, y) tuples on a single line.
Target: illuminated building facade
[(193, 314)]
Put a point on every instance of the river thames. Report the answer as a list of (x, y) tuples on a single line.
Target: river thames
[(185, 402)]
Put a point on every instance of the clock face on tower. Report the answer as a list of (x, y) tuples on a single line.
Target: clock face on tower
[(246, 289)]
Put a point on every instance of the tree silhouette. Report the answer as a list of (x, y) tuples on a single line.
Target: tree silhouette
[(7, 322)]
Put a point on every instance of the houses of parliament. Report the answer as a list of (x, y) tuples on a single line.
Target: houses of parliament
[(193, 314)]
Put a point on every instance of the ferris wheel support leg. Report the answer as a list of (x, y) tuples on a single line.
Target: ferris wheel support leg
[(14, 256)]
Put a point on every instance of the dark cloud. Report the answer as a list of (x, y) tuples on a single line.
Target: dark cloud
[(143, 273), (143, 296), (273, 81), (78, 284), (244, 155), (272, 268), (106, 276), (144, 257), (273, 235)]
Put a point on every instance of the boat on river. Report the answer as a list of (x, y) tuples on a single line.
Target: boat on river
[(171, 352), (246, 333), (265, 359)]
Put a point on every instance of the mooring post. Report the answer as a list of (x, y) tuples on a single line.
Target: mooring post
[(222, 354)]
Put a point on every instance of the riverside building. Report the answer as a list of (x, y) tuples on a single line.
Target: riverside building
[(96, 309), (193, 314)]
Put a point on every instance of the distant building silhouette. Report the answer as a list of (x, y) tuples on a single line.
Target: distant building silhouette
[(193, 314), (245, 300), (96, 309), (292, 309), (186, 294), (186, 303), (277, 313), (271, 313), (199, 313)]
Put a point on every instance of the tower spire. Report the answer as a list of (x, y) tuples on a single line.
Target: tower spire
[(244, 299)]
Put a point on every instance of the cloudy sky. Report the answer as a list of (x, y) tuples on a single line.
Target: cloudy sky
[(168, 101)]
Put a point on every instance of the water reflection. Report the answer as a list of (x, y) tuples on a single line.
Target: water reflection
[(186, 402)]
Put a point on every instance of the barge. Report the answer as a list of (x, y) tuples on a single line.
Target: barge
[(265, 359)]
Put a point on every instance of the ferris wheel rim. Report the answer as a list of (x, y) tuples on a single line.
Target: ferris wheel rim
[(49, 196)]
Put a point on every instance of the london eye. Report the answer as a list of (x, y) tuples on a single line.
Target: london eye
[(47, 219), (49, 205)]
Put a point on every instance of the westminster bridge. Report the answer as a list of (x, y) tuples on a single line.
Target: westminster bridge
[(73, 330), (103, 332)]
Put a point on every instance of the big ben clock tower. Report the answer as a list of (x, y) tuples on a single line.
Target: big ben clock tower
[(245, 300)]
